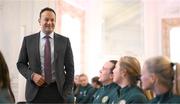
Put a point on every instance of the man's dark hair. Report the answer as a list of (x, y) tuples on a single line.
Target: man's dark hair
[(114, 64), (46, 9), (96, 80)]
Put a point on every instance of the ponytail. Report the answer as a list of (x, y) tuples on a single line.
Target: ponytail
[(148, 93)]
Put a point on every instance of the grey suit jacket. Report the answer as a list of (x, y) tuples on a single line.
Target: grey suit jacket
[(29, 62)]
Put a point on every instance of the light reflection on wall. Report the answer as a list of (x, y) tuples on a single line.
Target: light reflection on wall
[(71, 28), (174, 44)]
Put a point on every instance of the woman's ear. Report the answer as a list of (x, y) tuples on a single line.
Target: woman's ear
[(153, 78), (124, 72)]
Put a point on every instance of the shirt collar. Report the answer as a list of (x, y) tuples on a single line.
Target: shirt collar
[(42, 35)]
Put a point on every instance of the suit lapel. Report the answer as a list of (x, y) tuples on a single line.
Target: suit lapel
[(36, 45), (55, 47), (58, 46)]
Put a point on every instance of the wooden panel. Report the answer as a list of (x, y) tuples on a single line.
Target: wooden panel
[(167, 25)]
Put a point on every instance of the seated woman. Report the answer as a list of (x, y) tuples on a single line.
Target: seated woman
[(127, 74), (6, 95), (158, 75)]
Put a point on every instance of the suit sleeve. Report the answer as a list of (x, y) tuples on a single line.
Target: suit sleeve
[(69, 68), (22, 63)]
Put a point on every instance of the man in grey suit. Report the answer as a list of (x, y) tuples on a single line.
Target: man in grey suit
[(46, 61)]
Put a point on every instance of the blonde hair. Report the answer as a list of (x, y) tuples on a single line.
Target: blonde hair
[(162, 67), (132, 66)]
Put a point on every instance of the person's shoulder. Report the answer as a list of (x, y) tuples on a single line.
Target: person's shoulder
[(99, 90), (32, 35), (175, 99), (136, 92), (60, 36), (89, 85), (137, 96), (113, 86)]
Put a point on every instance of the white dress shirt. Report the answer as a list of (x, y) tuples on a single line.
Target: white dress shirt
[(41, 49)]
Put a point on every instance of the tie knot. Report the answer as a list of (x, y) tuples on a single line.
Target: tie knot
[(47, 36)]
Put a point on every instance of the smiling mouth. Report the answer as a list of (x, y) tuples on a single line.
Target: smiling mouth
[(49, 26)]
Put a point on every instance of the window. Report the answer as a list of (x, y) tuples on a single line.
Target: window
[(70, 22)]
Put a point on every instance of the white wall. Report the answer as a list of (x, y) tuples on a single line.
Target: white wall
[(19, 18), (143, 41), (10, 37), (93, 31), (154, 12)]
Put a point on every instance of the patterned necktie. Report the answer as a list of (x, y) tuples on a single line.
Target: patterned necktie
[(47, 60)]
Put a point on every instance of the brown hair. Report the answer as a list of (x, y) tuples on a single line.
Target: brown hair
[(4, 76), (96, 80), (132, 66), (164, 70), (4, 72)]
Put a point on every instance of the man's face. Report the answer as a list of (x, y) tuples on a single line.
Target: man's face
[(47, 22), (76, 80), (105, 73), (83, 80)]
